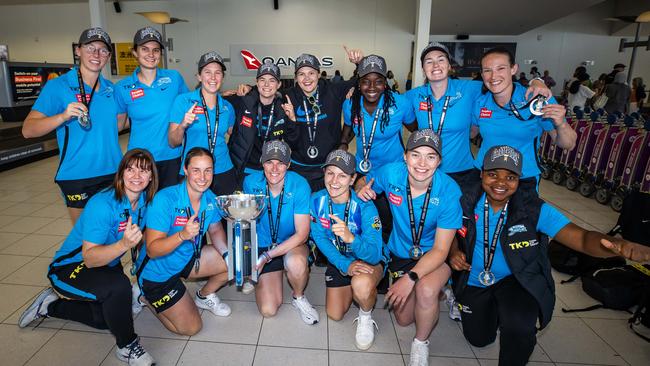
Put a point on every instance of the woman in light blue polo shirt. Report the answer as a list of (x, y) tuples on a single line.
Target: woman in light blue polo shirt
[(147, 96), (202, 118)]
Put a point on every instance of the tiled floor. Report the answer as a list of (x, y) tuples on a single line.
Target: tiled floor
[(34, 222)]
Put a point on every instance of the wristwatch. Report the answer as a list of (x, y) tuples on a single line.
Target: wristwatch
[(413, 276)]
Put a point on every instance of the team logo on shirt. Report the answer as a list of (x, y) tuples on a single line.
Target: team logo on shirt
[(485, 113), (516, 229), (524, 244), (324, 222), (376, 223), (394, 199), (434, 201), (164, 80), (137, 93), (246, 121), (198, 109)]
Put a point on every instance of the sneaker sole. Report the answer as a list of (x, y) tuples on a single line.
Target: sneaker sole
[(33, 307), (364, 347)]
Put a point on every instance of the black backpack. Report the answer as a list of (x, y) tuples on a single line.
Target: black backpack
[(618, 288), (634, 221), (566, 260)]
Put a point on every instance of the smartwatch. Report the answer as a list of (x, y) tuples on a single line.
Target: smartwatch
[(413, 276)]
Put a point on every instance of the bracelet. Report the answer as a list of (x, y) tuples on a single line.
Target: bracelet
[(180, 236), (538, 78), (267, 256)]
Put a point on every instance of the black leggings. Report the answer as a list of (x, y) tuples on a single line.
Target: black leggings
[(98, 297), (505, 306)]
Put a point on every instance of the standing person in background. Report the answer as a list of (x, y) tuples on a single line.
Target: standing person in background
[(638, 95), (579, 93), (618, 94), (617, 69), (534, 73), (409, 81), (81, 107), (548, 80), (522, 79), (337, 77), (599, 85), (323, 75), (392, 82), (202, 118), (147, 97)]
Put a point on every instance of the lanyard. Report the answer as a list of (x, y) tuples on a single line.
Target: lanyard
[(443, 114), (197, 238), (274, 226), (212, 139), (346, 215), (514, 110), (371, 138), (134, 250), (311, 133), (490, 248), (82, 90), (416, 235), (269, 123)]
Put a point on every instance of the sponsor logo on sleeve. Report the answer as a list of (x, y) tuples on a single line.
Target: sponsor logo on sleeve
[(198, 110), (324, 222), (485, 113), (395, 199), (180, 221)]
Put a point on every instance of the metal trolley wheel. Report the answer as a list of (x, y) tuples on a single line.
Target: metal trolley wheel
[(558, 177), (571, 183), (602, 196), (586, 189), (617, 202)]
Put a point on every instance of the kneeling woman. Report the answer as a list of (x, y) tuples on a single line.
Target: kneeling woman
[(178, 218), (282, 231), (502, 277), (348, 232), (426, 213), (86, 270)]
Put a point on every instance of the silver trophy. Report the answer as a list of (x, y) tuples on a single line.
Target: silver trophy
[(242, 210)]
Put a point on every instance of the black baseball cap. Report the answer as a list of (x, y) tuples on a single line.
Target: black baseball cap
[(147, 34), (307, 60), (425, 137), (276, 150), (432, 46), (269, 68), (372, 63), (95, 34), (210, 57), (503, 157), (343, 160)]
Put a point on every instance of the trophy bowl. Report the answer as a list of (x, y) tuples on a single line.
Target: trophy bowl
[(242, 207)]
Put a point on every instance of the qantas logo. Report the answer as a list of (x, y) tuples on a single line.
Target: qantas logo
[(250, 61)]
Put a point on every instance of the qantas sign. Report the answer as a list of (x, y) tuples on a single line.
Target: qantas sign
[(247, 58), (253, 63)]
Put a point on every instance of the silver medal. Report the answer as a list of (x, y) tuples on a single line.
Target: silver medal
[(364, 166), (486, 278), (312, 152), (84, 120), (415, 252), (537, 104)]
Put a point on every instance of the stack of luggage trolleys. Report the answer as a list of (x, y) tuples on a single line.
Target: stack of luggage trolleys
[(611, 157)]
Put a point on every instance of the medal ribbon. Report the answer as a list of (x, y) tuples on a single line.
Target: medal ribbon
[(311, 133), (269, 123), (416, 235), (367, 146), (441, 122), (82, 90), (212, 139), (490, 248), (274, 227), (346, 216)]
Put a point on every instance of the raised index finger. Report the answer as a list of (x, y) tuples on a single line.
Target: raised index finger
[(336, 218), (191, 110)]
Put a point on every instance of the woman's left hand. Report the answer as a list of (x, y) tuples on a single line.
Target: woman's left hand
[(399, 292), (556, 112)]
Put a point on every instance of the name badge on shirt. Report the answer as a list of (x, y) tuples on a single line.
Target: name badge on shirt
[(79, 98), (394, 199), (246, 121), (485, 113), (324, 222), (180, 221), (198, 110), (137, 93), (121, 227), (424, 106)]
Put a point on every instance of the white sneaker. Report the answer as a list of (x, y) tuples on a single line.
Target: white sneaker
[(38, 308), (365, 332), (134, 354), (307, 312), (454, 312), (419, 353), (212, 303), (136, 305), (248, 288)]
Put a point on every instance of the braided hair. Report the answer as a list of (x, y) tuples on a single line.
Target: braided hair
[(389, 101)]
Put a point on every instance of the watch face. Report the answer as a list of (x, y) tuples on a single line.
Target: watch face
[(413, 276)]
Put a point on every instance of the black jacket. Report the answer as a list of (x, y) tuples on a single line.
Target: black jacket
[(245, 131), (525, 250)]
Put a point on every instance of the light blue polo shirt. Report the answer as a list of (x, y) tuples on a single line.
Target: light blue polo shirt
[(148, 108), (501, 127), (363, 223), (102, 222), (89, 153), (387, 146), (168, 214), (456, 154), (294, 202), (550, 222), (444, 209), (197, 133)]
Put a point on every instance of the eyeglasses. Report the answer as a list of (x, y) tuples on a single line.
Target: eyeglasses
[(91, 50)]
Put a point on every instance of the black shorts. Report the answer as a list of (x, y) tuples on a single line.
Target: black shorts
[(334, 277), (276, 264), (168, 172), (398, 267), (164, 295), (77, 282), (224, 183), (76, 193)]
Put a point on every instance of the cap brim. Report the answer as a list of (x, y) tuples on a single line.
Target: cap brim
[(373, 71), (223, 67), (416, 145), (268, 73), (435, 48), (149, 40), (312, 66)]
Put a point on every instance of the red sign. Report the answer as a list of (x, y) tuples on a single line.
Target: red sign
[(424, 106), (246, 121), (485, 113), (250, 61), (395, 199), (180, 221), (137, 93), (198, 110), (28, 79)]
